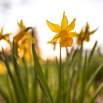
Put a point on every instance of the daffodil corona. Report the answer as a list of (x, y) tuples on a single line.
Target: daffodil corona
[(64, 34)]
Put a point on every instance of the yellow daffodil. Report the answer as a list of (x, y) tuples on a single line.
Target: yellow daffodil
[(4, 37), (23, 33), (24, 48), (88, 33), (64, 34), (84, 34)]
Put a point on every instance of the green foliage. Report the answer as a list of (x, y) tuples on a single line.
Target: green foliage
[(40, 81)]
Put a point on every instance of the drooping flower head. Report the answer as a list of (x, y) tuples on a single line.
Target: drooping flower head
[(64, 34), (23, 33), (5, 36), (85, 34)]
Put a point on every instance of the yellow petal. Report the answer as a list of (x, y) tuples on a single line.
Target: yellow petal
[(71, 26), (18, 36), (21, 25), (87, 25), (21, 22), (53, 27), (72, 34), (2, 31), (18, 24), (30, 37), (93, 31), (55, 38), (64, 22)]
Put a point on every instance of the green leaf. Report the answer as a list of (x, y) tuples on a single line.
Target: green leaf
[(3, 92), (41, 77), (92, 78), (14, 80), (92, 52), (83, 82), (78, 71), (43, 91), (98, 91), (69, 80), (18, 73), (11, 90), (26, 76)]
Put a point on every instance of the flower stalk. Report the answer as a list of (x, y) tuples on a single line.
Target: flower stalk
[(60, 74)]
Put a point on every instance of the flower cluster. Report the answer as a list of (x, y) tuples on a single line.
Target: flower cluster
[(65, 32)]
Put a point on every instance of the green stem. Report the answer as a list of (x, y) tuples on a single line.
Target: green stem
[(60, 77)]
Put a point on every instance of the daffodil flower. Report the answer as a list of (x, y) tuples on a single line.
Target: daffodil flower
[(88, 33), (23, 33), (84, 34), (64, 34), (24, 47), (5, 36)]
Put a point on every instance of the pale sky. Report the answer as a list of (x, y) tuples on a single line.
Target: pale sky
[(36, 12)]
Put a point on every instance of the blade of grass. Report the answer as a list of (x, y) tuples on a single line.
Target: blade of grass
[(77, 76), (14, 80), (83, 82), (57, 69), (69, 82), (3, 92), (43, 91), (46, 71), (41, 76), (99, 90), (60, 79), (33, 88), (18, 74), (11, 91), (92, 52), (35, 85), (26, 76), (92, 78)]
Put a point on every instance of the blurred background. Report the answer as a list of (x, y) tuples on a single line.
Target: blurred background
[(35, 13)]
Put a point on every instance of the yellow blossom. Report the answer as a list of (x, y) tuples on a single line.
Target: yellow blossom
[(23, 33), (64, 34), (24, 48), (85, 34), (4, 36), (88, 33)]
